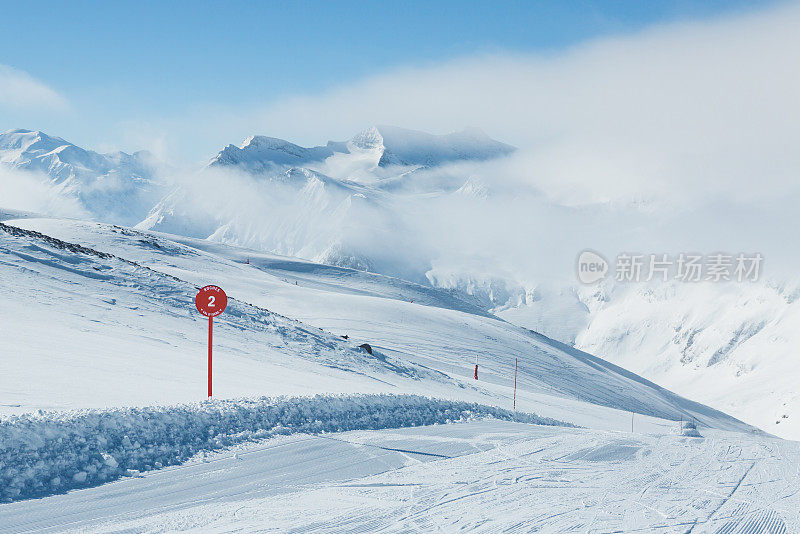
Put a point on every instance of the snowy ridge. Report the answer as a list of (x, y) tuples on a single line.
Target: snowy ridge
[(45, 453), (260, 153), (301, 340), (393, 146), (409, 147)]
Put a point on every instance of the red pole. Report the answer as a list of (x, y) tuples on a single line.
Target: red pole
[(515, 383), (210, 338)]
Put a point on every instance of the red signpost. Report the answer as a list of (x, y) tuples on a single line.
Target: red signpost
[(210, 301)]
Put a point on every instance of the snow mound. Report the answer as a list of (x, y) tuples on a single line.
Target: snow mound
[(45, 453)]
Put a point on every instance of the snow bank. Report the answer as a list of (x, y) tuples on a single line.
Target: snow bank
[(49, 452)]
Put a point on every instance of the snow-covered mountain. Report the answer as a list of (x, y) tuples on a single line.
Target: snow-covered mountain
[(378, 202), (294, 211), (730, 345), (116, 187), (259, 153), (321, 202), (388, 146), (125, 346)]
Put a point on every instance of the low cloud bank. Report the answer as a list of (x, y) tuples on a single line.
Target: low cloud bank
[(29, 191)]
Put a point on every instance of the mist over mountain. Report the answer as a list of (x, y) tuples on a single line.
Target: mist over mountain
[(384, 146), (340, 203), (116, 187)]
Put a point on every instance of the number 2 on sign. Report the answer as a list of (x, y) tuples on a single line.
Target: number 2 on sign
[(211, 300)]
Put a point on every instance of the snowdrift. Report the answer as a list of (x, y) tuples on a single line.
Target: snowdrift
[(49, 452)]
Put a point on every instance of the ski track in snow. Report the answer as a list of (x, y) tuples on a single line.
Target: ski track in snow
[(487, 476)]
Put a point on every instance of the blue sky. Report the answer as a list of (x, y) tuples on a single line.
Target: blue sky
[(145, 63)]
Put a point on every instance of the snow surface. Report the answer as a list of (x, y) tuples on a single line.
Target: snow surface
[(143, 296), (101, 334), (485, 476), (44, 452)]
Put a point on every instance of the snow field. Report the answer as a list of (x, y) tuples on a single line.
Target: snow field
[(433, 341)]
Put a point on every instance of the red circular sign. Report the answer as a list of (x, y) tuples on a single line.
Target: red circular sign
[(211, 301)]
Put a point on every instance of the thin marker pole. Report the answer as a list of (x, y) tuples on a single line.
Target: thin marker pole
[(210, 340), (631, 421), (515, 383)]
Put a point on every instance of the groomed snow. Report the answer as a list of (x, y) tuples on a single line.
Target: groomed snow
[(46, 453), (479, 476)]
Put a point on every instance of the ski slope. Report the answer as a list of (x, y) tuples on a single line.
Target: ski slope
[(103, 349), (480, 476), (280, 334)]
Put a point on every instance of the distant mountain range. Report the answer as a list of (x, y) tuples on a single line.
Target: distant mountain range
[(116, 187), (128, 189), (389, 146)]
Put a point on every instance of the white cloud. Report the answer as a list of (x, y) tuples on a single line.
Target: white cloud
[(679, 138), (19, 90), (32, 192), (698, 109)]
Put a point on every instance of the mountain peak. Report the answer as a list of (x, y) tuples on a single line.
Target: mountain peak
[(21, 141), (368, 139), (263, 141)]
